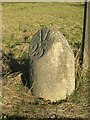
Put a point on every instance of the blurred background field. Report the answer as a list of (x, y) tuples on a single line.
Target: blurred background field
[(22, 20)]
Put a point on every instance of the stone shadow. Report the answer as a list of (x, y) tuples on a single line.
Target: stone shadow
[(16, 65)]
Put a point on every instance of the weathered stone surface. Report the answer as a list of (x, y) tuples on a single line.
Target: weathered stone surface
[(52, 72)]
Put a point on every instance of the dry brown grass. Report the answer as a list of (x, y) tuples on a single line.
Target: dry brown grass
[(17, 100)]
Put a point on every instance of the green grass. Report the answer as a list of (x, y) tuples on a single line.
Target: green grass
[(22, 20)]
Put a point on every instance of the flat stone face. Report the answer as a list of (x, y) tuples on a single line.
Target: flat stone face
[(41, 42), (52, 71)]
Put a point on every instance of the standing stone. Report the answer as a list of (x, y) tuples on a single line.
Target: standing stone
[(52, 71)]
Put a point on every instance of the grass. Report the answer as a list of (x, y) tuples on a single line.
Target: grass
[(19, 23), (29, 17)]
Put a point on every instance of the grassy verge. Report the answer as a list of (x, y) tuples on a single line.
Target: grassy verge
[(20, 22)]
